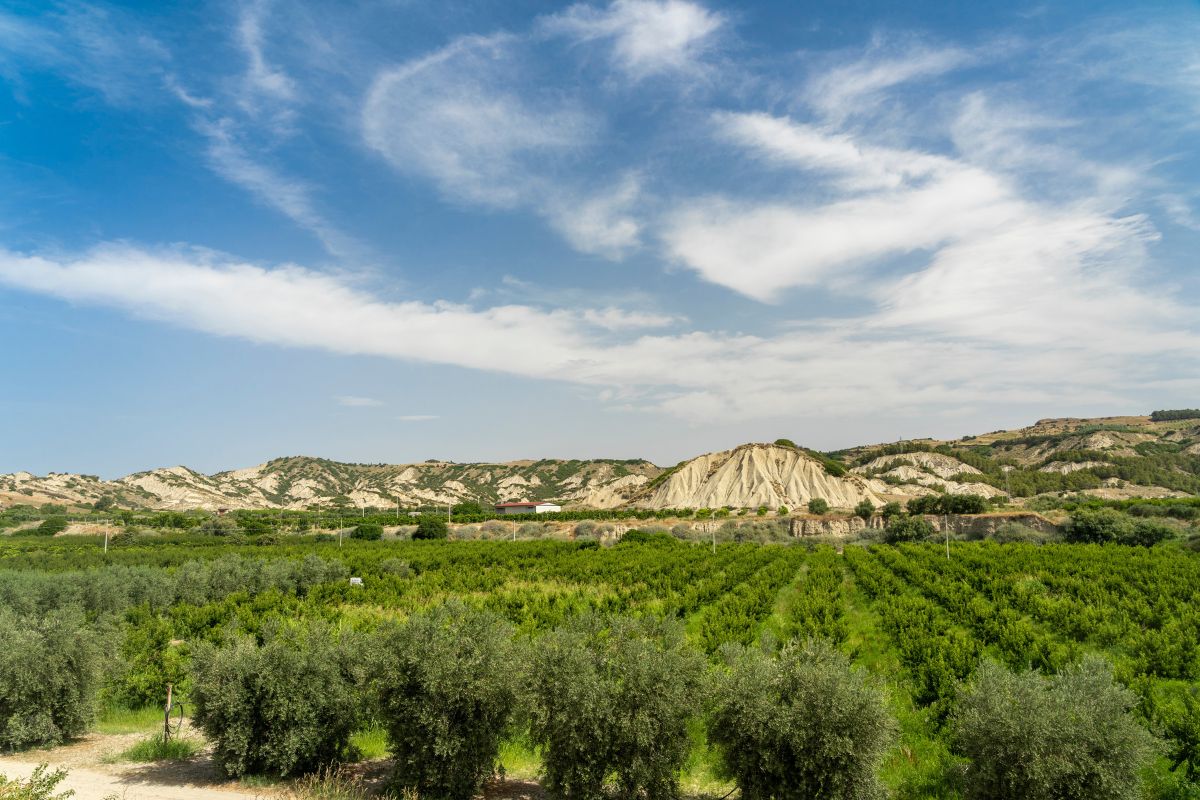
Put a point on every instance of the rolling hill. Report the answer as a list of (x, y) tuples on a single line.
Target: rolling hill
[(1111, 457)]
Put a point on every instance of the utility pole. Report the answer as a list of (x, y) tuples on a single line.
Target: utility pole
[(946, 528)]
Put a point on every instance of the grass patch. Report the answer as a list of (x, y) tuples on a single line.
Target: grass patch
[(370, 744), (330, 784), (519, 758), (117, 719), (155, 748)]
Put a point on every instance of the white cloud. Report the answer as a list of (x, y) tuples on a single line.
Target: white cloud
[(262, 77), (648, 36), (857, 87), (954, 337), (456, 119), (291, 196), (602, 223), (352, 401)]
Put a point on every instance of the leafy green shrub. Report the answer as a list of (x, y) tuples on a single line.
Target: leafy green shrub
[(783, 511), (948, 504), (51, 525), (446, 684), (636, 536), (50, 671), (806, 725), (614, 698), (1100, 525), (284, 707), (864, 509), (890, 510), (907, 529), (369, 531), (785, 443), (1147, 533), (39, 786), (431, 526), (818, 505), (1066, 737)]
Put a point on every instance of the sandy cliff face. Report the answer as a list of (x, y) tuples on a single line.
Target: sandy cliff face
[(754, 475)]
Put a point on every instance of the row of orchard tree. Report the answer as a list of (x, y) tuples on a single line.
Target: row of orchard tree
[(610, 703)]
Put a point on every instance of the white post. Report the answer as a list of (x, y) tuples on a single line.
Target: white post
[(106, 540)]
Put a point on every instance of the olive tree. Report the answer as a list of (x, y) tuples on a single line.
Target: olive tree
[(50, 671), (612, 699), (1066, 737), (431, 526), (287, 706), (446, 685), (805, 725)]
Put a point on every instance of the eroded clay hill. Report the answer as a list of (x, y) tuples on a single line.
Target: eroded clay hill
[(753, 475)]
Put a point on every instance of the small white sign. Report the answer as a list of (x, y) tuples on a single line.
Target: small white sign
[(356, 582)]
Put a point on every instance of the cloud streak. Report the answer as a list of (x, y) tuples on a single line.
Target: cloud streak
[(993, 348)]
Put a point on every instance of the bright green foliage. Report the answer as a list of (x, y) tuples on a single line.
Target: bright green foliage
[(50, 671), (446, 685), (39, 786), (150, 659), (431, 526), (818, 505), (864, 509), (785, 443), (889, 510), (285, 707), (783, 511), (907, 529), (1066, 737), (612, 699), (1182, 727), (803, 726), (367, 531)]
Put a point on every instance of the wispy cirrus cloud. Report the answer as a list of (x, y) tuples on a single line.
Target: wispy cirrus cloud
[(456, 118), (647, 37)]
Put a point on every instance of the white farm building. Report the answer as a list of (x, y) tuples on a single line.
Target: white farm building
[(527, 508)]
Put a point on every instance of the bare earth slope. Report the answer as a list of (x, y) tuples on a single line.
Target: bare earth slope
[(753, 475)]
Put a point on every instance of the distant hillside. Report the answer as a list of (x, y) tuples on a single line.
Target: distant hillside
[(1111, 457), (300, 482)]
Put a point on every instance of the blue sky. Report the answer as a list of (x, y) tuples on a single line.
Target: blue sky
[(392, 231)]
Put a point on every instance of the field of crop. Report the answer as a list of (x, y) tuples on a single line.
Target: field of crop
[(920, 623)]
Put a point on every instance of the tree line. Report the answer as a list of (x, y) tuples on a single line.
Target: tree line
[(610, 702)]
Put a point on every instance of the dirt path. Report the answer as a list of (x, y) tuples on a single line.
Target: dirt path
[(128, 783)]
